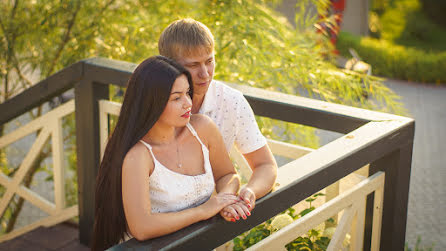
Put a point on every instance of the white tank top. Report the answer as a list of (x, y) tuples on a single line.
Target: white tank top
[(171, 191)]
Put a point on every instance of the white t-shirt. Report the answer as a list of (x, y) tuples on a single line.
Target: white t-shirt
[(233, 116)]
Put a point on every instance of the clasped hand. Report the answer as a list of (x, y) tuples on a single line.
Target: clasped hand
[(242, 208)]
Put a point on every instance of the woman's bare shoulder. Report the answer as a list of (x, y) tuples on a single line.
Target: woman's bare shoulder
[(205, 127), (203, 124), (138, 157)]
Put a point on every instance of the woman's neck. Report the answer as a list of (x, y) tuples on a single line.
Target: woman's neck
[(162, 135)]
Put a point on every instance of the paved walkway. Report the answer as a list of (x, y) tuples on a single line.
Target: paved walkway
[(427, 195)]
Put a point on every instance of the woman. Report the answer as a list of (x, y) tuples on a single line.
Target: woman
[(161, 165)]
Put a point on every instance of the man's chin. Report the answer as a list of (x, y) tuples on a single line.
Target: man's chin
[(201, 88)]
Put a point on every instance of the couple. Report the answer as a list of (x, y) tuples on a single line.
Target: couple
[(169, 150)]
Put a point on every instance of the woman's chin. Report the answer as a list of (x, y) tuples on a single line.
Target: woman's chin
[(184, 122)]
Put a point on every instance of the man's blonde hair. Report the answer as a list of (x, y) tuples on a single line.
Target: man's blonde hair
[(185, 37)]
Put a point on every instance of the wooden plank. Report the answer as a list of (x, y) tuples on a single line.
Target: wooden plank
[(343, 228), (4, 180), (87, 96), (37, 124), (24, 167), (58, 163), (29, 195), (62, 216), (104, 70), (243, 166), (320, 214), (41, 92), (377, 219), (106, 107), (35, 199), (103, 127), (357, 233), (110, 107), (332, 152), (396, 165), (331, 192), (311, 112), (287, 150)]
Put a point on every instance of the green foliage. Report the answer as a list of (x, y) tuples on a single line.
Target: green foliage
[(313, 240), (396, 61), (403, 22), (408, 44), (305, 243)]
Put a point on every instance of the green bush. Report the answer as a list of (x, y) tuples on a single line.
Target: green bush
[(396, 61), (405, 23), (316, 240)]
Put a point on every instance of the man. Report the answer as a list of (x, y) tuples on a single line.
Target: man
[(191, 43)]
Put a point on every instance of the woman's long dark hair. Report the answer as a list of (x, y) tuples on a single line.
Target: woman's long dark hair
[(148, 91)]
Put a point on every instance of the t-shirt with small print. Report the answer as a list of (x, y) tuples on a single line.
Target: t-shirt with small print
[(233, 116)]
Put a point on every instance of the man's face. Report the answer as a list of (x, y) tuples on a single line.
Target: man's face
[(201, 65)]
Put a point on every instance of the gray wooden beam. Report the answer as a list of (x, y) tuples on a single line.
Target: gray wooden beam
[(41, 92), (397, 166), (87, 95)]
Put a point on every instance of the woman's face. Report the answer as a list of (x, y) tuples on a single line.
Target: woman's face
[(178, 109)]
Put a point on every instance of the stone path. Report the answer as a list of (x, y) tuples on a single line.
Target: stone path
[(427, 196)]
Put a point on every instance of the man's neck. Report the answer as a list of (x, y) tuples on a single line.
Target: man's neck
[(197, 101)]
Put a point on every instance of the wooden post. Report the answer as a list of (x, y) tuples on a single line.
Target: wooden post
[(396, 166), (87, 94)]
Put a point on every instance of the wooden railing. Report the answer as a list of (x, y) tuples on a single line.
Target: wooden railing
[(48, 125), (382, 141), (353, 201)]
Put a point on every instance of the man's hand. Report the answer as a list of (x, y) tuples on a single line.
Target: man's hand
[(235, 211), (248, 196)]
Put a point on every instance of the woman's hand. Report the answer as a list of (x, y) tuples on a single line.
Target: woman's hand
[(216, 203)]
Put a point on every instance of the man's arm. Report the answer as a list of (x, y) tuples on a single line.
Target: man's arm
[(264, 175), (251, 143)]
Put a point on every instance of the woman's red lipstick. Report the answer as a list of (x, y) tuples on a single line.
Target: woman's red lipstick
[(186, 115)]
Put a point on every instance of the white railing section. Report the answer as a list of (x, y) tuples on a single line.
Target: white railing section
[(352, 202), (50, 125)]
